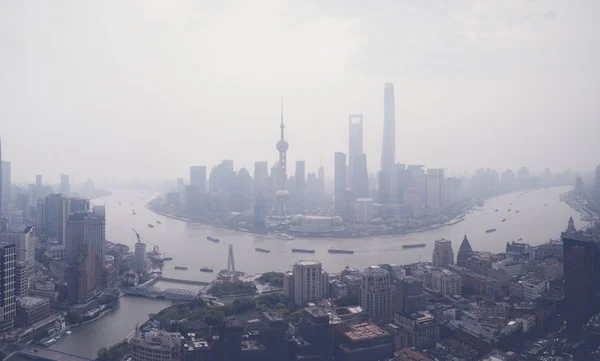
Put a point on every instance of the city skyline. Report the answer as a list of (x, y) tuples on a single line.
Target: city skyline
[(471, 89)]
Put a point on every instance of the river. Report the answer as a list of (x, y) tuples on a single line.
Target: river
[(542, 216)]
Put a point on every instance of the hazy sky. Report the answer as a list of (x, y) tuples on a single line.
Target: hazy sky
[(148, 88)]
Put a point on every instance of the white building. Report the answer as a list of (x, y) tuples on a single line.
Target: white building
[(57, 251), (316, 224), (528, 288), (308, 282), (446, 282), (550, 269), (376, 292), (363, 210), (511, 266)]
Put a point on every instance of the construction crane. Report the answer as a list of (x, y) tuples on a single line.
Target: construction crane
[(140, 238)]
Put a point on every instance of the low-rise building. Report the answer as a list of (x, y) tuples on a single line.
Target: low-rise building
[(364, 342), (475, 283), (316, 224), (44, 290), (196, 350), (513, 267), (409, 354), (338, 289), (32, 309), (422, 328), (446, 282), (528, 288), (57, 251), (550, 269), (155, 345)]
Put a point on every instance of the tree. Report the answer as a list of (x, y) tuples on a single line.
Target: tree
[(241, 305), (73, 318), (41, 334), (104, 354)]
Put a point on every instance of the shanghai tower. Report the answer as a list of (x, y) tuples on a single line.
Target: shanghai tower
[(388, 151)]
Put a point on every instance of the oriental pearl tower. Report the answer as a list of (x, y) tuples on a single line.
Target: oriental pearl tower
[(282, 194)]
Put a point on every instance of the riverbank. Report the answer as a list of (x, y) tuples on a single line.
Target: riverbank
[(454, 218), (580, 205)]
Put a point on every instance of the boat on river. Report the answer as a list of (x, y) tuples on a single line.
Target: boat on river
[(150, 225), (181, 268), (416, 245), (216, 240), (206, 269), (158, 222), (300, 250), (343, 251), (503, 219), (262, 250), (517, 211), (490, 230)]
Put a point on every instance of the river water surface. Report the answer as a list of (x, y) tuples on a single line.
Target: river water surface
[(542, 216)]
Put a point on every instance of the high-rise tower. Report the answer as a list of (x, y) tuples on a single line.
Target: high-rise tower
[(581, 260), (339, 205), (442, 253), (388, 152), (355, 139), (282, 194), (1, 175)]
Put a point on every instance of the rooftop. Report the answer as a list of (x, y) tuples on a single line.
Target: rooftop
[(30, 301), (273, 316), (308, 263), (373, 270), (443, 241), (365, 331), (317, 311)]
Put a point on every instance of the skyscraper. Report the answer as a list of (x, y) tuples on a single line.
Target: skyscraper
[(384, 187), (65, 185), (300, 186), (282, 195), (95, 233), (25, 258), (376, 293), (435, 190), (308, 281), (582, 277), (5, 180), (321, 178), (339, 208), (198, 177), (8, 308), (140, 258), (84, 232), (261, 191), (388, 152), (355, 135), (442, 253), (360, 177), (56, 211), (1, 178)]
